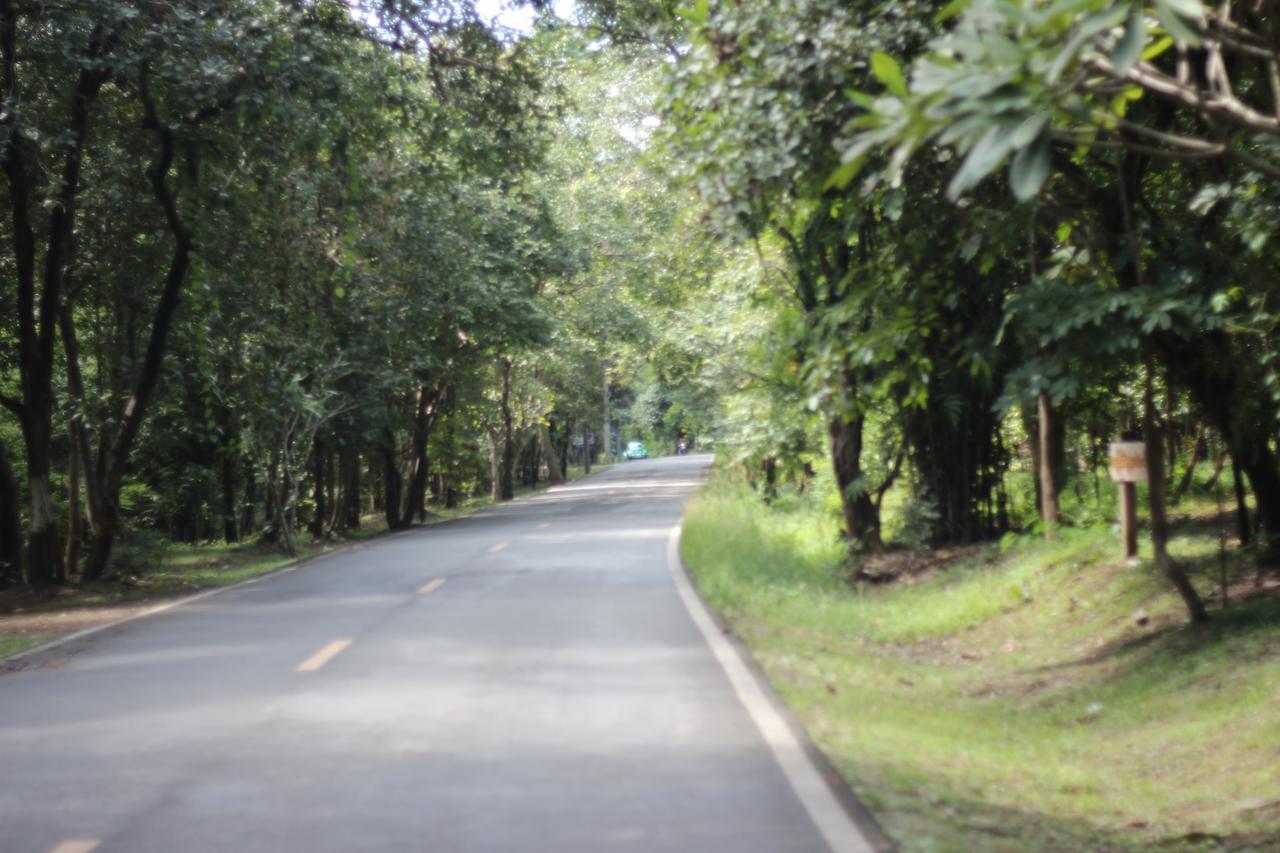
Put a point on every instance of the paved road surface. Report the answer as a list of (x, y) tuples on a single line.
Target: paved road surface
[(525, 679)]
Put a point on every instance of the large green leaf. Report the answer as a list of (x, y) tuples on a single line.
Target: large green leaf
[(1129, 49), (1030, 168), (886, 70)]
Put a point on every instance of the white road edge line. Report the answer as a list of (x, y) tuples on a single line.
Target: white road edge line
[(835, 824)]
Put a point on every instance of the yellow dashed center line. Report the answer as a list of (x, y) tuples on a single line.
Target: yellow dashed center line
[(431, 586), (493, 549), (77, 845), (323, 656), (544, 525)]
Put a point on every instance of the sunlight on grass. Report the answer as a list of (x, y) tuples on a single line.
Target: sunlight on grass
[(12, 644), (1044, 697)]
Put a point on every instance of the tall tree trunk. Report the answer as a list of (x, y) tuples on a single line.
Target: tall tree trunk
[(318, 490), (555, 474), (230, 532), (1048, 475), (104, 536), (76, 426), (44, 558), (495, 465), (10, 524), (334, 484), (121, 448), (390, 481), (534, 456), (1153, 436), (37, 324), (861, 523), (271, 530), (506, 451), (352, 490), (71, 556), (420, 466), (566, 447), (770, 478), (602, 441), (249, 510)]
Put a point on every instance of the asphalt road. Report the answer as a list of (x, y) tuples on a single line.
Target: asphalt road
[(525, 679)]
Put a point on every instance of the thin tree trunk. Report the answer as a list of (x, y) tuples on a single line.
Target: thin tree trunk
[(1197, 450), (334, 481), (861, 523), (555, 474), (71, 556), (121, 448), (1207, 370), (390, 481), (1095, 458), (602, 441), (10, 524), (249, 511), (420, 467), (352, 490), (318, 486), (271, 529), (495, 466), (1048, 476), (1218, 465), (1154, 438), (76, 426), (566, 447), (770, 466), (506, 452), (1242, 507), (230, 532)]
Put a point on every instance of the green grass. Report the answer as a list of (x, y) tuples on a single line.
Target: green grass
[(12, 644), (1012, 701)]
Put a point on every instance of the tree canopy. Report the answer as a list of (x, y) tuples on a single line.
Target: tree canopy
[(278, 267)]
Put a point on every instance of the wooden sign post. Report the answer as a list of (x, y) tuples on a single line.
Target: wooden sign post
[(1128, 467)]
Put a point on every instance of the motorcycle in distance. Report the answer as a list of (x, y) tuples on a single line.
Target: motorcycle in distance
[(682, 447)]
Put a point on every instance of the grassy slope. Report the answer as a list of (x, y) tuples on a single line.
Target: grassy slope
[(1013, 702)]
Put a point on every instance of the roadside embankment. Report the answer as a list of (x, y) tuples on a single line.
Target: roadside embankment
[(1028, 695)]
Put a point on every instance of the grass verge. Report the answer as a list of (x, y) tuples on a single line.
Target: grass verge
[(1044, 696)]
